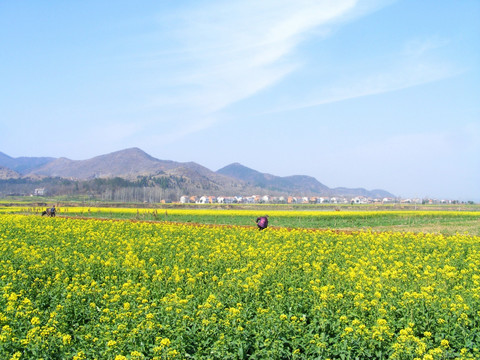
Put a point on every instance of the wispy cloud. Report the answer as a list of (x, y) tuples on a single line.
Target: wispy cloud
[(234, 50), (217, 54), (416, 48), (412, 65), (380, 83)]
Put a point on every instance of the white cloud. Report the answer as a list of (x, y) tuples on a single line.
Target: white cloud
[(227, 52), (219, 53), (410, 66), (237, 49)]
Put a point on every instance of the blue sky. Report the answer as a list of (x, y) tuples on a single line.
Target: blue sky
[(373, 94)]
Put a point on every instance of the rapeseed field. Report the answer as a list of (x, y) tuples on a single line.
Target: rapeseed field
[(96, 289), (383, 219)]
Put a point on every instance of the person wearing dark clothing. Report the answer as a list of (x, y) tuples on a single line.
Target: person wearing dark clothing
[(262, 222), (49, 211)]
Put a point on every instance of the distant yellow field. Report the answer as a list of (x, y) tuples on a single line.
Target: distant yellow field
[(428, 221), (235, 213)]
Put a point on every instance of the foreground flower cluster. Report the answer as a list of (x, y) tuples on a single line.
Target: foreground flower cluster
[(85, 289)]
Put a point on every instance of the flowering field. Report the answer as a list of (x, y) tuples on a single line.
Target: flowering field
[(437, 221), (85, 289)]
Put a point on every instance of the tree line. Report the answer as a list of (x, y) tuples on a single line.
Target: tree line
[(142, 189)]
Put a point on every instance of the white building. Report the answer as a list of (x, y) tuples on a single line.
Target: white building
[(39, 192)]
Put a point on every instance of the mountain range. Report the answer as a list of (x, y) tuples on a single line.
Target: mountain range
[(130, 164)]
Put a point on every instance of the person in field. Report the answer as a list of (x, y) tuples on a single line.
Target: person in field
[(262, 222), (49, 211)]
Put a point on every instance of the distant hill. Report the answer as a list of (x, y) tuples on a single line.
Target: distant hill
[(291, 184), (200, 174), (189, 177), (23, 165), (128, 164), (374, 194), (6, 173)]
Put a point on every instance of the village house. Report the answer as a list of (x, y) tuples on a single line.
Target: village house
[(227, 200), (265, 199), (207, 200), (359, 200), (185, 199), (39, 192)]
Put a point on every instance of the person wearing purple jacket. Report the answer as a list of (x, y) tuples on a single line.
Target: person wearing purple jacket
[(262, 222)]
